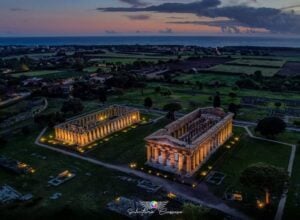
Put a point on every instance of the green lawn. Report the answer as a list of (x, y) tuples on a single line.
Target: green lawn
[(249, 151), (125, 147), (246, 152)]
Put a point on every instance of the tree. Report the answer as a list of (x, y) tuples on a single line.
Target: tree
[(142, 86), (232, 95), (265, 178), (25, 130), (102, 95), (148, 102), (233, 108), (72, 105), (172, 108), (277, 104), (258, 75), (270, 126), (3, 141), (217, 100), (50, 119), (199, 85), (157, 89)]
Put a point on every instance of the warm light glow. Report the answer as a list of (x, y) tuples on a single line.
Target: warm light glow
[(260, 204), (171, 195), (134, 117), (228, 146), (236, 138), (118, 199), (132, 165), (43, 139), (204, 173), (209, 167), (194, 185), (22, 165)]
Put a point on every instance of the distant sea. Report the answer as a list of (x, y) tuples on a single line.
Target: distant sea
[(203, 41)]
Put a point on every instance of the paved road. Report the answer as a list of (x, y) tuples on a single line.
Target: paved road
[(200, 195)]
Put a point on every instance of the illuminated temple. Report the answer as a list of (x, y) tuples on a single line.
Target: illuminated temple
[(184, 145), (89, 128)]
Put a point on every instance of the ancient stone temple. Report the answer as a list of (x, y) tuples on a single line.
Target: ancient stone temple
[(184, 145), (89, 128)]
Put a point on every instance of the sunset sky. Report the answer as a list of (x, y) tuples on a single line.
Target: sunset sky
[(148, 17)]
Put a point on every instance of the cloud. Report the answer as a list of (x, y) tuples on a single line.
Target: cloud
[(138, 17), (271, 19), (134, 3), (166, 31), (226, 26)]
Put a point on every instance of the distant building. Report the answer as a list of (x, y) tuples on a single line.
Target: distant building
[(101, 78), (184, 145)]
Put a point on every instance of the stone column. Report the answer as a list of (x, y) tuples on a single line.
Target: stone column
[(156, 154), (172, 159), (188, 164), (180, 162), (149, 150), (194, 161), (164, 157), (197, 157)]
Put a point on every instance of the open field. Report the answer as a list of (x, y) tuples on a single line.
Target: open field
[(290, 69), (258, 62), (50, 74), (249, 70), (191, 98), (36, 73), (228, 80)]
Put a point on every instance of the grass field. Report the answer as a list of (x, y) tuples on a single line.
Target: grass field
[(252, 62), (244, 69), (228, 80), (127, 147), (50, 74)]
